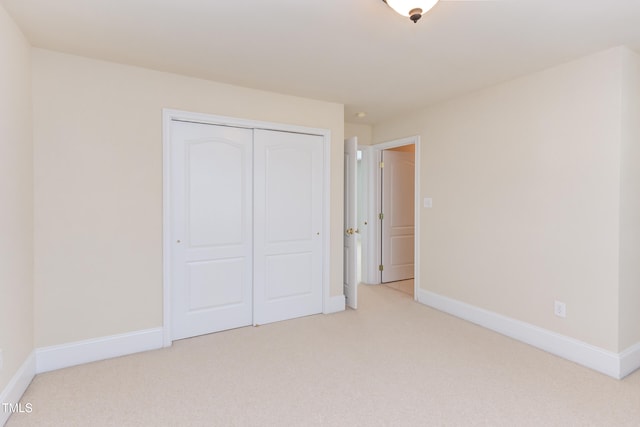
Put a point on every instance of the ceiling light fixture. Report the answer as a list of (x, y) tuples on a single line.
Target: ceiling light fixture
[(414, 9)]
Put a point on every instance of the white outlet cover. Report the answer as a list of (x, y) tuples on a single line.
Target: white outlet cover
[(560, 309), (428, 202)]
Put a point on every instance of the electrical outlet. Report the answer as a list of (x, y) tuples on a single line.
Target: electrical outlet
[(560, 309)]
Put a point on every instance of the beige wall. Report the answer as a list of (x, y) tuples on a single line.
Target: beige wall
[(98, 186), (630, 203), (362, 131), (16, 200), (524, 178)]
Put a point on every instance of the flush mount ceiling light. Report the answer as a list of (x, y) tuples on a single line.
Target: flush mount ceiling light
[(414, 9)]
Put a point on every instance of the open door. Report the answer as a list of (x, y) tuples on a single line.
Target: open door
[(398, 221), (350, 222)]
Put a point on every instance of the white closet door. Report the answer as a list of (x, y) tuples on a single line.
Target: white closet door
[(211, 228), (288, 170)]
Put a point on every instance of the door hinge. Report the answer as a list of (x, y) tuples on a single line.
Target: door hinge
[(381, 216), (381, 267), (381, 165)]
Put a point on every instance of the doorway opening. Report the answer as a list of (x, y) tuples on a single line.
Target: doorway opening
[(371, 214), (397, 218)]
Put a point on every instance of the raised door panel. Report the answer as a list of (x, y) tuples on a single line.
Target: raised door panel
[(288, 193), (288, 275), (215, 183), (214, 284)]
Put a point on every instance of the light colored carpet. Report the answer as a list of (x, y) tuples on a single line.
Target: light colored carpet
[(405, 286), (393, 362)]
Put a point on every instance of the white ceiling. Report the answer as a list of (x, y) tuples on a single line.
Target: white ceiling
[(356, 52)]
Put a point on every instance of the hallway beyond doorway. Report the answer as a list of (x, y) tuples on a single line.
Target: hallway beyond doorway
[(404, 286)]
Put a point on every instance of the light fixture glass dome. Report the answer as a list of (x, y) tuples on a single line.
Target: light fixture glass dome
[(414, 9)]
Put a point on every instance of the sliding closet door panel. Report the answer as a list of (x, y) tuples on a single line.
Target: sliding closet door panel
[(212, 228), (288, 186)]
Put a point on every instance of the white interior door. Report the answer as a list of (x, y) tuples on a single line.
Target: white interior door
[(211, 227), (350, 222), (398, 221), (288, 210)]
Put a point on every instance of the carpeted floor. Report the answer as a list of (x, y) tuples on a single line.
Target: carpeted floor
[(405, 286), (393, 362)]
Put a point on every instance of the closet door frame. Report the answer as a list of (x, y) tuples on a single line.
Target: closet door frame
[(170, 115)]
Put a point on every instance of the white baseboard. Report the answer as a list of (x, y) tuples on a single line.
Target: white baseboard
[(629, 360), (335, 304), (17, 386), (92, 350), (612, 364)]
